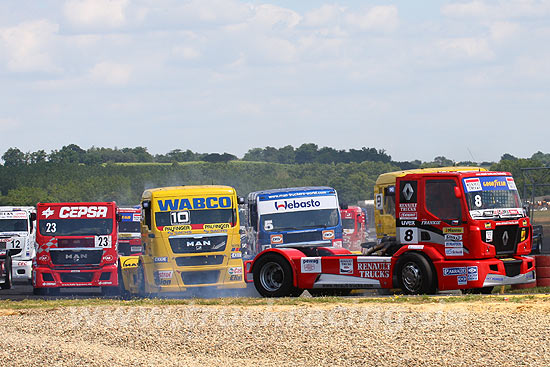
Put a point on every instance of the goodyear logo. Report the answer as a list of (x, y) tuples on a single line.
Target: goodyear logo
[(494, 183), (210, 202)]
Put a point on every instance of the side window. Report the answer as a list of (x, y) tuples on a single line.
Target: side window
[(253, 215), (389, 200), (147, 216), (441, 200)]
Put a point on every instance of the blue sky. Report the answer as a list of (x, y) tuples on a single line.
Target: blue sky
[(462, 79)]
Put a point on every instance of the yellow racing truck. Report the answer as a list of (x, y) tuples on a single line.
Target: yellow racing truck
[(190, 237)]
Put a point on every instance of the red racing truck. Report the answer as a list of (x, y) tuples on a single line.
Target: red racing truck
[(129, 232), (354, 227), (438, 229), (76, 247)]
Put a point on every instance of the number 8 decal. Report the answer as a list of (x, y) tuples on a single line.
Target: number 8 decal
[(408, 235)]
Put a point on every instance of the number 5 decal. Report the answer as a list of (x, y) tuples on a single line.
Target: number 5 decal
[(103, 241), (408, 236)]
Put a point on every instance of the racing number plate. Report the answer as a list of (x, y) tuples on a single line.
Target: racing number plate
[(102, 241)]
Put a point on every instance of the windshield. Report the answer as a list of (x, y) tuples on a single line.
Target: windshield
[(128, 227), (320, 218), (348, 224), (13, 225), (208, 216), (76, 227), (489, 197)]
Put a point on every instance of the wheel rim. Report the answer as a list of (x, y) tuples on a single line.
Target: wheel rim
[(272, 276), (412, 277)]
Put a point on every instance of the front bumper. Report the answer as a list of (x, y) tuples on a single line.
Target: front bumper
[(21, 270), (45, 277)]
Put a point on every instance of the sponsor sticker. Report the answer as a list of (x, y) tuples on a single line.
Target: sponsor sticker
[(407, 216), (511, 183), (415, 247), (237, 270), (135, 248), (453, 230), (453, 237), (488, 225), (495, 277), (472, 184), (407, 207), (236, 255), (431, 222), (454, 244), (165, 274), (346, 266), (454, 271), (407, 223), (235, 278), (311, 264), (452, 251), (328, 235), (161, 259), (489, 236), (462, 279), (524, 223), (276, 239), (472, 273), (108, 257)]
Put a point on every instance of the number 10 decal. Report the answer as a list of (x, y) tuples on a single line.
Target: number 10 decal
[(103, 241), (179, 217), (408, 235)]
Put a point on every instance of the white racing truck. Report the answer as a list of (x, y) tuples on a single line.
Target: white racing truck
[(17, 244)]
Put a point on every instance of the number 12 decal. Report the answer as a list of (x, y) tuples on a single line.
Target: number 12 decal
[(103, 241)]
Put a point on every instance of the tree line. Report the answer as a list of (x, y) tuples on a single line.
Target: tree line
[(105, 174)]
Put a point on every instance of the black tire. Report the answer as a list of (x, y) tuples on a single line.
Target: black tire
[(329, 292), (484, 290), (415, 275), (273, 277), (7, 268), (110, 291), (141, 282)]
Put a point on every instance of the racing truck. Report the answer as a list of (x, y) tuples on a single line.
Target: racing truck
[(295, 215), (354, 227), (129, 232), (438, 229), (76, 247), (17, 237), (191, 241)]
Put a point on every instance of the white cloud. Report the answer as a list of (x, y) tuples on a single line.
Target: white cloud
[(467, 48), (186, 53), (379, 18), (28, 46), (96, 13), (271, 16), (111, 73), (326, 15), (502, 9), (503, 31)]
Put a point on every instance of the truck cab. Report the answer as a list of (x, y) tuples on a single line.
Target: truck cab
[(354, 227), (129, 232), (17, 239), (290, 216)]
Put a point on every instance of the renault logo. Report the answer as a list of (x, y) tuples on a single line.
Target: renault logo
[(408, 191), (505, 238)]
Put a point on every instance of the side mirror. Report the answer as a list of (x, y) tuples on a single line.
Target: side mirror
[(343, 206), (32, 217), (458, 193), (240, 200), (118, 217), (146, 204)]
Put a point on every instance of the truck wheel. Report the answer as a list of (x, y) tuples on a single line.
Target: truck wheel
[(7, 269), (415, 275), (141, 282), (273, 277)]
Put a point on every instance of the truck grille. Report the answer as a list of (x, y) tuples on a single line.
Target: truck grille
[(200, 260), (76, 257), (505, 239), (76, 277), (200, 277), (75, 242), (302, 237), (198, 243), (512, 267)]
